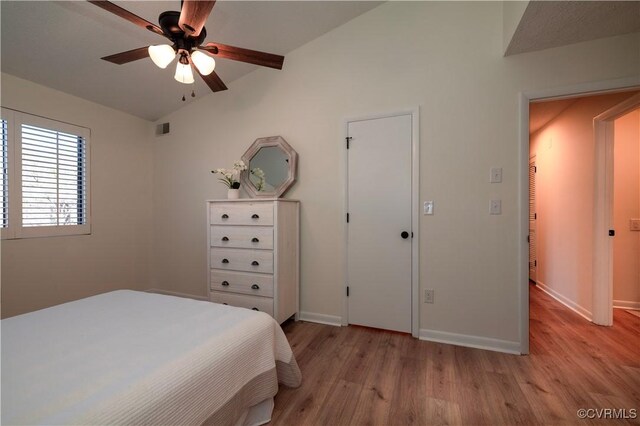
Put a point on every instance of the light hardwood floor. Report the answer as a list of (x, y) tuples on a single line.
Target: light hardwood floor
[(360, 376)]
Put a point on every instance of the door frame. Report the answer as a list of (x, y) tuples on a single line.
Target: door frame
[(415, 203), (603, 127), (524, 97)]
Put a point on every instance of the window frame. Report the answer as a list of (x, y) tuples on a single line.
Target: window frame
[(15, 229)]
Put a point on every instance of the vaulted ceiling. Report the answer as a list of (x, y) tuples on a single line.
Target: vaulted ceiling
[(59, 43)]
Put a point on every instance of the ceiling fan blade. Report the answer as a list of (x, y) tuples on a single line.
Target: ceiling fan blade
[(125, 14), (194, 15), (213, 81), (244, 55), (128, 56)]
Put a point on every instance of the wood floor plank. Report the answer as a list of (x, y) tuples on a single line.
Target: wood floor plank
[(361, 376), (357, 368), (373, 406), (408, 401)]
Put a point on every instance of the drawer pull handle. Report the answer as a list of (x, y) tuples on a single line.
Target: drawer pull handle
[(255, 287), (225, 216), (255, 216), (255, 309), (225, 238), (225, 303), (225, 283), (255, 263), (225, 260), (255, 240)]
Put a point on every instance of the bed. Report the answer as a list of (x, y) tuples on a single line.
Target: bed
[(129, 357)]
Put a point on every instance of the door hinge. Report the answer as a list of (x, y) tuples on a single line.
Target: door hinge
[(612, 232), (535, 169), (528, 238), (348, 138), (535, 263), (347, 217), (347, 291), (535, 216)]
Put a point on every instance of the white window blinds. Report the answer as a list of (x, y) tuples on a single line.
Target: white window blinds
[(4, 221), (53, 177), (46, 177)]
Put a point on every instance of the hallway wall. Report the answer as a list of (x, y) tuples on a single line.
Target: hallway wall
[(564, 150), (626, 205)]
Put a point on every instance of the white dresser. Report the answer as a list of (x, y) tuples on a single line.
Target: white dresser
[(253, 247)]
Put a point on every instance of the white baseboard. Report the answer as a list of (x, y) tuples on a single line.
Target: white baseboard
[(626, 304), (566, 301), (175, 293), (321, 318), (477, 342)]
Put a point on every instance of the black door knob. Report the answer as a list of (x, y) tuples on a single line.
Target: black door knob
[(404, 235)]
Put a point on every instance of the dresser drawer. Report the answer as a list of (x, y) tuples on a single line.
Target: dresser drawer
[(242, 260), (256, 237), (241, 213), (242, 282), (257, 303)]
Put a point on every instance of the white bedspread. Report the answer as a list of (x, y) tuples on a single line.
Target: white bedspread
[(130, 357)]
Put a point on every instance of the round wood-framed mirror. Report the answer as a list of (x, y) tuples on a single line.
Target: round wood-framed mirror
[(272, 167)]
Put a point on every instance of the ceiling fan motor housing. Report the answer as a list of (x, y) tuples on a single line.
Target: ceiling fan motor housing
[(169, 23)]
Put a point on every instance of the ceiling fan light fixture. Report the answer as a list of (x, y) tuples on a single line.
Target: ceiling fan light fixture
[(162, 55), (203, 62), (184, 73)]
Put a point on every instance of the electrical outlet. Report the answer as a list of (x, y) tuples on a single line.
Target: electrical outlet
[(429, 295), (634, 224)]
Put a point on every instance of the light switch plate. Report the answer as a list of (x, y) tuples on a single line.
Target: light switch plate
[(428, 207), (496, 207), (634, 224), (496, 175), (429, 295)]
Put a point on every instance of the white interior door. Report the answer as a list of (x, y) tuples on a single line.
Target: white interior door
[(533, 217), (379, 207)]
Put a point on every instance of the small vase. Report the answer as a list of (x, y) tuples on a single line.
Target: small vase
[(233, 194)]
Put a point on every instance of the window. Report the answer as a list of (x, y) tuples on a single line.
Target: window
[(45, 181), (5, 207)]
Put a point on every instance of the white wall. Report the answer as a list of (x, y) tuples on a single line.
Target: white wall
[(626, 205), (445, 57), (40, 272), (565, 157)]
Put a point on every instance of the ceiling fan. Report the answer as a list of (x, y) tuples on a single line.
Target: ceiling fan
[(186, 31)]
